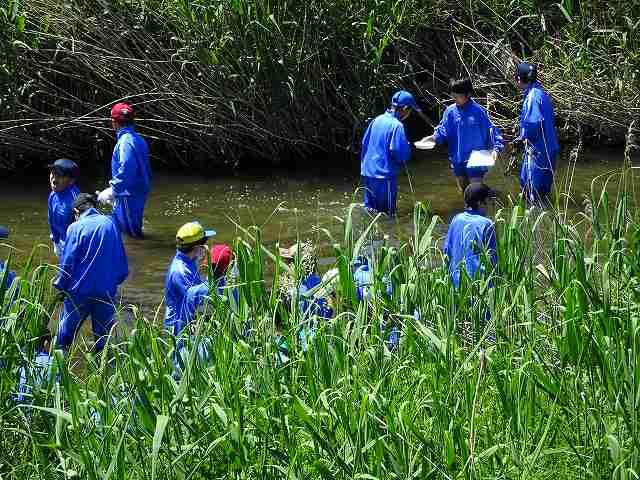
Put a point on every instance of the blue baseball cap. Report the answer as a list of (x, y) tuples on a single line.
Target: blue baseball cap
[(527, 72), (4, 232), (403, 98), (65, 167)]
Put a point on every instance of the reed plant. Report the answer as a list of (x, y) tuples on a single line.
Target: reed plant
[(548, 386)]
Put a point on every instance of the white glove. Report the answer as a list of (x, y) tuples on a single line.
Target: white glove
[(106, 196), (494, 155), (55, 249)]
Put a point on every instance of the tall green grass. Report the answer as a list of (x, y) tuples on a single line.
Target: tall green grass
[(555, 394)]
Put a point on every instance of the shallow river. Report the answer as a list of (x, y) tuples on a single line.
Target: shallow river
[(308, 201)]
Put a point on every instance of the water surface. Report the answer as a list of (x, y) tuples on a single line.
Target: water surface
[(286, 205)]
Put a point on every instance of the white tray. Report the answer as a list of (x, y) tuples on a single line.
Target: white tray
[(481, 158), (425, 144)]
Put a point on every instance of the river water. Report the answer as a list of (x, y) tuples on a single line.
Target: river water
[(286, 205)]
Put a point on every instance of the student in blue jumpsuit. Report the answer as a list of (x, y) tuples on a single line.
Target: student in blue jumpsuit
[(471, 235), (62, 179), (130, 173), (196, 297), (538, 134), (364, 282), (465, 127), (92, 266), (183, 276), (385, 149)]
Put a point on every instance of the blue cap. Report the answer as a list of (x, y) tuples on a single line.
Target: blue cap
[(403, 98), (65, 167), (527, 72), (4, 232)]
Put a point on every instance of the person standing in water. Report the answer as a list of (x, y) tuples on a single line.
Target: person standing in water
[(538, 134), (92, 266), (62, 179), (384, 150), (130, 173), (465, 127)]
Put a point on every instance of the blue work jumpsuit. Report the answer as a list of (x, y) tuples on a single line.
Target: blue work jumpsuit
[(538, 131), (384, 150), (130, 180), (363, 279), (92, 266), (470, 235), (465, 129), (60, 215), (182, 277)]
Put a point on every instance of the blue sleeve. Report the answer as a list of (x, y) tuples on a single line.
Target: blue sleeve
[(124, 262), (54, 235), (491, 244), (531, 119), (126, 169), (447, 246), (495, 135), (67, 260), (440, 133), (399, 145), (365, 142)]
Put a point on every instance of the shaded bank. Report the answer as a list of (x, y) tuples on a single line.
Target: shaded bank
[(239, 82)]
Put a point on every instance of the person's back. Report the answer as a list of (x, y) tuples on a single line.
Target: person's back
[(384, 147), (471, 236), (94, 261), (183, 275), (130, 168), (537, 121), (384, 150)]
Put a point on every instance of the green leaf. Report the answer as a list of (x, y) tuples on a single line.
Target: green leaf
[(161, 425)]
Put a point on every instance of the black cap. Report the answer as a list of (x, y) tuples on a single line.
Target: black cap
[(65, 167), (527, 72), (475, 194), (84, 201), (4, 232)]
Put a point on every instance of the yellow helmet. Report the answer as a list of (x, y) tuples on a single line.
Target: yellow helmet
[(191, 234)]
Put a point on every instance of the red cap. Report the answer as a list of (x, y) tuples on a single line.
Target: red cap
[(122, 112), (220, 257)]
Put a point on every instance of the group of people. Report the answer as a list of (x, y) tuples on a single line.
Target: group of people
[(93, 260), (465, 127)]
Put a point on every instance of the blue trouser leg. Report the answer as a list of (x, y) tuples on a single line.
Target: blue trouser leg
[(102, 313), (128, 214), (75, 311), (536, 176), (380, 194)]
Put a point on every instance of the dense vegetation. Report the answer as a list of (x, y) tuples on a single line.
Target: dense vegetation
[(549, 388), (231, 80)]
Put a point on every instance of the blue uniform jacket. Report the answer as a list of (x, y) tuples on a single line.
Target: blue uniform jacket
[(363, 278), (310, 305), (537, 121), (384, 147), (537, 127), (130, 169), (61, 214), (196, 297), (182, 277), (93, 262), (465, 129), (470, 235)]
